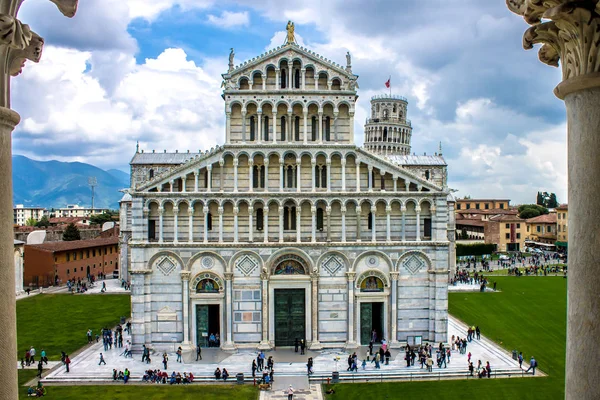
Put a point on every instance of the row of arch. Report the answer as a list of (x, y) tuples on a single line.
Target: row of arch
[(389, 134), (321, 106), (388, 149)]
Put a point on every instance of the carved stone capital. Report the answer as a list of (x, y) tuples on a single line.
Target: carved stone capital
[(14, 33), (350, 276), (32, 52), (185, 275), (569, 31), (228, 276), (394, 275)]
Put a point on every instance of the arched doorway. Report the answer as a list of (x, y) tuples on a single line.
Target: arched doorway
[(372, 296), (207, 288)]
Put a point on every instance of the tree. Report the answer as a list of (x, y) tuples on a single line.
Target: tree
[(71, 233), (552, 201), (44, 222), (31, 222), (99, 219), (527, 211), (540, 199)]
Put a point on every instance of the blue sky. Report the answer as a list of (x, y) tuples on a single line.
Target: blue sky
[(124, 71)]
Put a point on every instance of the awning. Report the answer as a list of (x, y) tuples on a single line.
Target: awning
[(562, 244)]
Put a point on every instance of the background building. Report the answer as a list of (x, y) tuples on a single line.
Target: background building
[(21, 214), (562, 226), (542, 229), (482, 204), (74, 210), (78, 259), (506, 231)]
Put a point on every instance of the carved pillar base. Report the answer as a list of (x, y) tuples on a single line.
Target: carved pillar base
[(351, 346), (8, 340), (228, 346), (264, 345), (315, 345)]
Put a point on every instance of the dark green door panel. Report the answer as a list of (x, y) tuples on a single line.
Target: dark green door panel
[(290, 316)]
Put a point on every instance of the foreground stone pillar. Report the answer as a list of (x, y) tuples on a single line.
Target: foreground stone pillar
[(314, 297), (570, 34)]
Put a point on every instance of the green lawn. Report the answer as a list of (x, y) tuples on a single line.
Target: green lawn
[(150, 392), (529, 314), (59, 322)]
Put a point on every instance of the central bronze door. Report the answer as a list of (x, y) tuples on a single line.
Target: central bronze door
[(290, 316)]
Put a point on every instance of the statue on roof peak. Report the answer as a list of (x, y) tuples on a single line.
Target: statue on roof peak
[(290, 39)]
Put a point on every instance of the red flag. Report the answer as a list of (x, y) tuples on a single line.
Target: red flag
[(387, 84)]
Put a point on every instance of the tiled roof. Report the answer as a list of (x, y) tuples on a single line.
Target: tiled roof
[(562, 207), (76, 244), (543, 219), (162, 158), (415, 160), (506, 217), (492, 211), (470, 222)]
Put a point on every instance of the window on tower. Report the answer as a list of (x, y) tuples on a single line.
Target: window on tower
[(252, 128), (320, 219), (259, 219), (297, 79), (314, 129), (297, 128), (266, 129), (327, 129), (283, 78), (283, 128)]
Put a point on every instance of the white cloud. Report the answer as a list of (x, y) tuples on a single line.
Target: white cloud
[(150, 9), (230, 19)]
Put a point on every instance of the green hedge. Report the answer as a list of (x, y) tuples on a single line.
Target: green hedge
[(476, 249)]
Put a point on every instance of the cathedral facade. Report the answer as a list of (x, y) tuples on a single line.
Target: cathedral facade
[(289, 230)]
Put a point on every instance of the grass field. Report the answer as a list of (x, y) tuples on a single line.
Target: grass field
[(529, 314), (59, 322)]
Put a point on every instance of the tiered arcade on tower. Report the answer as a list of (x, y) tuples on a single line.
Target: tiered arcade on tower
[(388, 132)]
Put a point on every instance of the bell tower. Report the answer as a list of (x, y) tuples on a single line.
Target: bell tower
[(388, 132)]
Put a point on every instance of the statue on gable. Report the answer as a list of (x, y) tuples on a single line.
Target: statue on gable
[(290, 33), (231, 55), (348, 60)]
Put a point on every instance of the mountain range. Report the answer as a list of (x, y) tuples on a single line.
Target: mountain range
[(54, 184)]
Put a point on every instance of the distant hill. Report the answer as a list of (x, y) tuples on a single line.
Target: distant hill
[(54, 184)]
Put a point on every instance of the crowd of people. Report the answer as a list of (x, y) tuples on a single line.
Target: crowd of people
[(121, 376), (258, 365), (158, 376)]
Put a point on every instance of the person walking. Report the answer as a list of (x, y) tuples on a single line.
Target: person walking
[(179, 351), (102, 360), (290, 392), (67, 362), (309, 366), (43, 356), (478, 332), (532, 365), (302, 346), (198, 352), (165, 360), (520, 358), (89, 336), (103, 287), (40, 369), (254, 368), (296, 345), (32, 355)]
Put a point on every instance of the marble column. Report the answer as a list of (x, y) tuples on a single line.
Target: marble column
[(403, 222), (298, 174), (313, 174), (373, 224), (281, 224), (266, 223), (185, 295), (196, 181), (351, 122), (328, 162), (259, 131), (313, 211), (264, 279), (277, 79), (229, 345), (395, 178), (298, 224), (250, 175), (370, 168), (289, 132), (314, 296), (191, 224), (266, 164), (320, 126), (220, 211), (305, 114), (228, 127), (235, 224), (264, 81), (205, 236), (183, 182), (351, 343), (358, 213), (209, 181), (250, 224), (335, 126), (357, 176), (343, 224), (343, 173), (394, 309), (274, 119), (569, 32), (161, 210), (303, 77), (171, 186), (328, 214), (418, 211), (388, 212), (221, 174), (281, 176), (175, 225), (235, 175), (243, 126)]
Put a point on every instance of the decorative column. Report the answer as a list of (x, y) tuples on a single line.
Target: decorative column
[(175, 225), (290, 83), (259, 130), (358, 239), (394, 306), (418, 211), (209, 181), (357, 175), (191, 224), (243, 126), (373, 224), (250, 175), (407, 185), (228, 127), (281, 176), (280, 224), (388, 212), (303, 77), (185, 296), (305, 114), (235, 175), (395, 178), (343, 224), (320, 126), (290, 130), (328, 162), (264, 81), (335, 122), (274, 118), (314, 297), (250, 224), (277, 79), (570, 34), (220, 211), (344, 174), (298, 174), (298, 224), (313, 211), (221, 164), (229, 345), (171, 186), (351, 122), (264, 279), (313, 163), (266, 164), (196, 181), (403, 216), (351, 343), (328, 214), (161, 210), (235, 224), (370, 168), (205, 211), (183, 179), (266, 223)]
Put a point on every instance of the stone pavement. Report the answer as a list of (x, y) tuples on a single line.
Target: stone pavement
[(112, 286)]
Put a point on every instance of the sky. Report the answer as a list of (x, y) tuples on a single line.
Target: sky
[(123, 71)]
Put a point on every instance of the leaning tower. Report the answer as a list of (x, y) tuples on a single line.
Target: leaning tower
[(388, 131)]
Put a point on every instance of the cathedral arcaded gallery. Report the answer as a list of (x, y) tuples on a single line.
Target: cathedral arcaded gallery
[(289, 230)]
